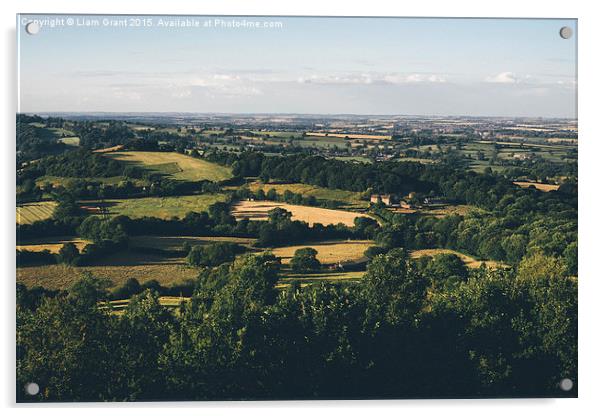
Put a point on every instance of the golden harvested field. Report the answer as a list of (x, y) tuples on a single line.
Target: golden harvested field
[(470, 262), (52, 244), (58, 276), (176, 242), (545, 187), (34, 211), (350, 136), (175, 165), (109, 149), (258, 210), (349, 198), (329, 252), (117, 268), (162, 207)]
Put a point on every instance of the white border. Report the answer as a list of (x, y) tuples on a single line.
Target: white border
[(589, 148)]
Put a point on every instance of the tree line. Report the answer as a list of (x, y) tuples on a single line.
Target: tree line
[(403, 331)]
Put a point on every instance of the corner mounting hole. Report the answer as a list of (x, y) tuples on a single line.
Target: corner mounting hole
[(566, 32), (32, 28), (566, 384), (32, 389)]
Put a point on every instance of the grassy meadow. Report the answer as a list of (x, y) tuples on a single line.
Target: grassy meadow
[(175, 165), (162, 207), (348, 198), (31, 212)]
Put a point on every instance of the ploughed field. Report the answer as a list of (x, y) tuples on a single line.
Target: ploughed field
[(258, 210)]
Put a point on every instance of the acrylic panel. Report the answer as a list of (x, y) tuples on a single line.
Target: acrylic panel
[(276, 208)]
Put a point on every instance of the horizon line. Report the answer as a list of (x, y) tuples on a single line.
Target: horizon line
[(293, 114)]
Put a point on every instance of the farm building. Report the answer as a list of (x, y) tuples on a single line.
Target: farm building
[(386, 199)]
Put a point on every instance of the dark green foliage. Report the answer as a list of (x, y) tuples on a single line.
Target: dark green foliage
[(130, 288), (493, 334), (79, 163), (68, 254), (213, 254), (28, 258), (374, 251), (444, 266), (304, 260)]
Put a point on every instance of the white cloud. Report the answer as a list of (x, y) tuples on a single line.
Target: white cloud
[(414, 78), (372, 78), (503, 78)]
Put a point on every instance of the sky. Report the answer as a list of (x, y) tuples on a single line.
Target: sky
[(405, 66)]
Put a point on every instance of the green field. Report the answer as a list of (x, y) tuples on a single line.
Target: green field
[(64, 181), (175, 165), (280, 134), (177, 242), (70, 141), (34, 211), (347, 198), (313, 278), (162, 207)]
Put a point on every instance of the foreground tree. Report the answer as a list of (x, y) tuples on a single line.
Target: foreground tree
[(305, 261)]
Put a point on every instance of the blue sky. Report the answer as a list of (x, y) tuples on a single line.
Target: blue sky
[(477, 67)]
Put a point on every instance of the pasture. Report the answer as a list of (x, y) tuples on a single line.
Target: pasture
[(329, 252), (161, 207), (45, 181), (469, 261), (350, 136), (348, 198), (31, 212), (258, 210), (313, 278), (70, 141), (172, 243), (175, 165)]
